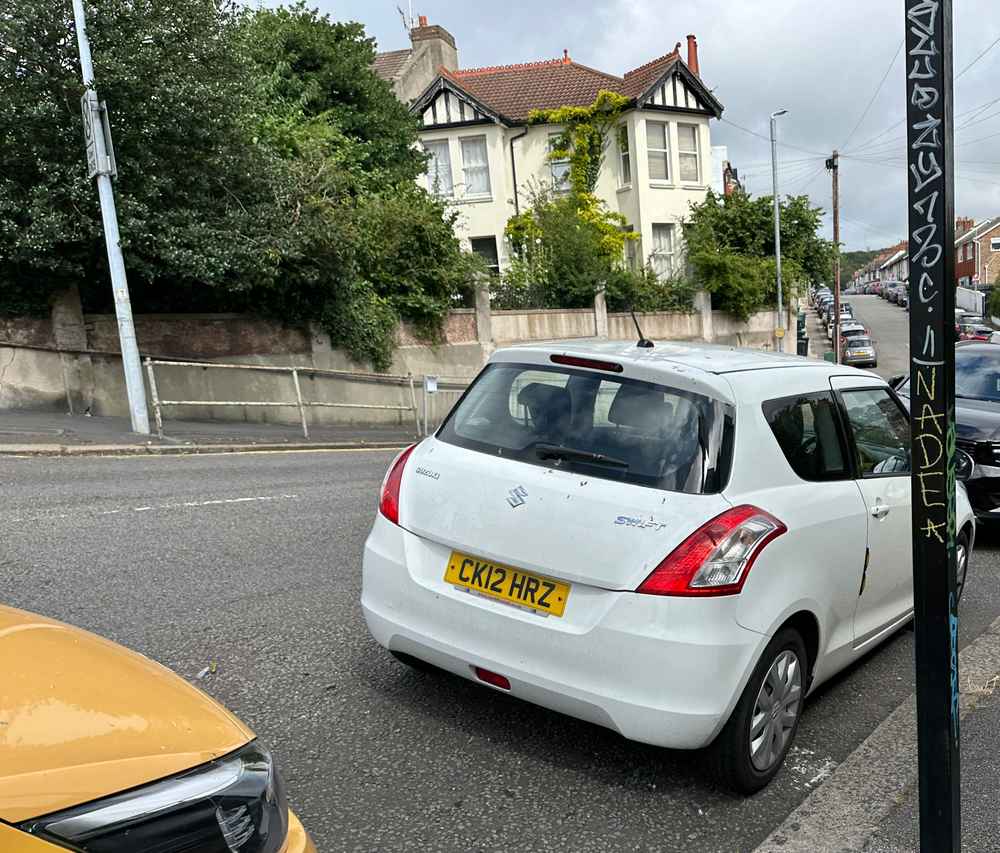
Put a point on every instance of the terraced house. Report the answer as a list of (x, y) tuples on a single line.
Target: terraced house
[(485, 156)]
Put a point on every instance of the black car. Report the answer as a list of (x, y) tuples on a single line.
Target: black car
[(977, 420)]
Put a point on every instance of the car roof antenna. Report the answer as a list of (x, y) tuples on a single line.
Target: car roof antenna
[(644, 342)]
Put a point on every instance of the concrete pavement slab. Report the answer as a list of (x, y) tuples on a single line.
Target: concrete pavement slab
[(980, 791), (880, 776)]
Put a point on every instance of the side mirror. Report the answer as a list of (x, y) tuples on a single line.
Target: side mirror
[(964, 465), (896, 381)]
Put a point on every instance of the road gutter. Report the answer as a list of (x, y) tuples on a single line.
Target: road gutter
[(844, 812)]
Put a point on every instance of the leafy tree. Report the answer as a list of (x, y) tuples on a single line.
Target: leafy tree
[(263, 167), (851, 262), (364, 245), (313, 74), (571, 244), (193, 191), (730, 243)]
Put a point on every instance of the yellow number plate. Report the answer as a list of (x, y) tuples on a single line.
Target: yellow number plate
[(513, 585)]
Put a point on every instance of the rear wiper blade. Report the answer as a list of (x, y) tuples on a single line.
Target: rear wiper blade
[(554, 451)]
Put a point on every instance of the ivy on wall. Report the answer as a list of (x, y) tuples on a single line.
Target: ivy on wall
[(583, 141)]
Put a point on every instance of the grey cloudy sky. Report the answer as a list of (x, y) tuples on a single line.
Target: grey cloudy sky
[(822, 61)]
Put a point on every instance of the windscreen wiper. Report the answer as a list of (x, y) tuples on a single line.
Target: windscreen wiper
[(555, 451)]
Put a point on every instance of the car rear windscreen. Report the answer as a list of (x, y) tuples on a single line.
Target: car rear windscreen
[(603, 426)]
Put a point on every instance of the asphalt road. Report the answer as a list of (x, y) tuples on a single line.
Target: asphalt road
[(889, 325), (252, 562)]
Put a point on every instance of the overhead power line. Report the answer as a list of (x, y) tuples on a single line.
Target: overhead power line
[(878, 89), (980, 56), (767, 139)]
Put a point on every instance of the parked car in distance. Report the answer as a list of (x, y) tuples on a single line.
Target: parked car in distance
[(845, 320), (977, 420), (101, 749), (859, 351), (845, 310), (975, 333), (668, 541), (852, 330)]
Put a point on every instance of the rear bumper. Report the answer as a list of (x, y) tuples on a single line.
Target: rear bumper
[(659, 670)]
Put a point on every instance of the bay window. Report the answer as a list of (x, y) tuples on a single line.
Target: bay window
[(687, 149), (475, 166), (658, 150), (439, 168), (559, 169), (664, 250), (624, 160)]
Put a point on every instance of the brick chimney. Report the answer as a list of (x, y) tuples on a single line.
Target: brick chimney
[(692, 62), (963, 224), (436, 42)]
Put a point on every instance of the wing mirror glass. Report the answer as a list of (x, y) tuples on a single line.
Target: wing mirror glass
[(964, 465)]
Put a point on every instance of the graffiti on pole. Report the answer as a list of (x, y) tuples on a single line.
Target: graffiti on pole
[(930, 176)]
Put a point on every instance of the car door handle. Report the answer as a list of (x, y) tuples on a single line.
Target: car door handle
[(880, 511)]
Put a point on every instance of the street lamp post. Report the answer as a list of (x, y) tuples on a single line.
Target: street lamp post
[(100, 158), (779, 332)]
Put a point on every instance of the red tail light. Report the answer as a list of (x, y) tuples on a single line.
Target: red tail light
[(388, 503), (716, 558), (493, 678)]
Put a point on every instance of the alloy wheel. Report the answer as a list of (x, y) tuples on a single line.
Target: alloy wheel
[(776, 711)]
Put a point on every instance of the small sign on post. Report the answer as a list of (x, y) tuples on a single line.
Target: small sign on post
[(95, 121)]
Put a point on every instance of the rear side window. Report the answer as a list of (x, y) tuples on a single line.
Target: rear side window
[(613, 428), (881, 431), (808, 432)]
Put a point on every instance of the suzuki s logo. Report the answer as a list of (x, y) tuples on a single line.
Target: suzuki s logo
[(517, 497)]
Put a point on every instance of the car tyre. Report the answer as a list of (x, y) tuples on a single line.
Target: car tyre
[(752, 746), (962, 556)]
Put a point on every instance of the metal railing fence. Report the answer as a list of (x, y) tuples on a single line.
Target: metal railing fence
[(299, 402)]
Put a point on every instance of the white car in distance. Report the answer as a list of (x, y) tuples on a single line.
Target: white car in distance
[(676, 542)]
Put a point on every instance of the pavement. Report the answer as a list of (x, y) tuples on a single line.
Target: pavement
[(980, 732), (35, 433)]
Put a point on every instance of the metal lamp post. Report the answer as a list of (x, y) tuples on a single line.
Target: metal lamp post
[(101, 164), (779, 331)]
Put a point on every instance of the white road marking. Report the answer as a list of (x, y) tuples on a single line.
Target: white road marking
[(167, 506)]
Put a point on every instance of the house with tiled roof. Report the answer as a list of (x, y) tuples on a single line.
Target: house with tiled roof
[(977, 252), (485, 155)]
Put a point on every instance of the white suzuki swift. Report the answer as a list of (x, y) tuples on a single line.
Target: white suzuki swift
[(678, 542)]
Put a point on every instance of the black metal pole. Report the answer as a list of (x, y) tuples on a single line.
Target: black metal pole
[(931, 207)]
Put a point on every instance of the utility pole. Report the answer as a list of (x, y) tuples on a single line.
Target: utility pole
[(779, 330), (833, 164), (930, 152), (101, 163)]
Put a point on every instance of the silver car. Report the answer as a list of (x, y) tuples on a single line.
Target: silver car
[(860, 351)]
